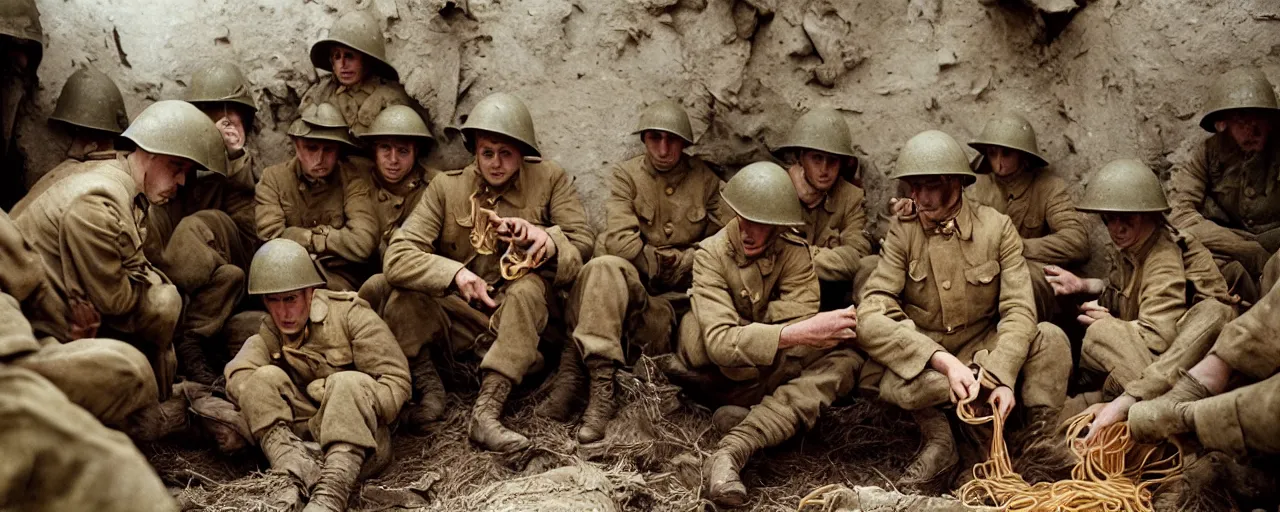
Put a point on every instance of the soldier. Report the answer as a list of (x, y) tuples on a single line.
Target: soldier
[(660, 204), (89, 230), (949, 312), (819, 149), (1012, 179), (322, 199), (22, 40), (324, 366), (482, 256), (363, 82), (1163, 304), (1225, 193), (398, 137), (208, 252), (91, 110)]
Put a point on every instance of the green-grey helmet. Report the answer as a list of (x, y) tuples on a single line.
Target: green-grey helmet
[(322, 122), (932, 153), (282, 265), (177, 128), (1241, 88), (762, 192), (221, 82), (20, 19), (399, 121), (1124, 186), (503, 114), (360, 32), (821, 129), (666, 116), (91, 100), (1010, 131)]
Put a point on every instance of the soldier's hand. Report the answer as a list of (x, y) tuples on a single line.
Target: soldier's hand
[(472, 288), (1002, 401), (1063, 281), (1114, 411), (901, 207), (822, 331), (85, 319), (961, 379), (232, 129), (1091, 312)]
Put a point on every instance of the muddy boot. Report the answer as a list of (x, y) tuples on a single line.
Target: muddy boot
[(192, 361), (487, 429), (341, 467), (1186, 389), (722, 468), (937, 456), (728, 416), (600, 404), (218, 417), (158, 420), (286, 453), (430, 405), (1153, 421), (567, 386)]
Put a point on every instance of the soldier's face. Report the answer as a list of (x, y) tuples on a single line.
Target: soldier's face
[(1005, 162), (1249, 128), (755, 237), (821, 169), (317, 157), (290, 310), (497, 158), (348, 64), (159, 176), (395, 157), (664, 149), (935, 196), (1130, 229)]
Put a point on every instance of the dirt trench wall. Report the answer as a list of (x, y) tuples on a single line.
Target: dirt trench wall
[(1122, 78)]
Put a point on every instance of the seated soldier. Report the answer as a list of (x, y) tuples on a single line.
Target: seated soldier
[(479, 260), (1013, 180), (92, 111), (362, 82), (325, 366), (398, 137), (818, 150), (1161, 307), (661, 203), (949, 311), (1225, 193), (322, 199), (754, 337)]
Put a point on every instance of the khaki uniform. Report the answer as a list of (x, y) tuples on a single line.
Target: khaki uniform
[(965, 292), (434, 244), (1168, 302), (1231, 203), (342, 380), (739, 308), (88, 231), (62, 170), (359, 105), (339, 206), (625, 292), (834, 231), (58, 457), (393, 202), (1045, 217)]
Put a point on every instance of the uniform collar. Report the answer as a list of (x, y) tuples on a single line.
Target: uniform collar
[(740, 255), (1016, 186), (681, 168), (1137, 254), (414, 180), (828, 201), (306, 181), (510, 191), (368, 85), (963, 221), (140, 200)]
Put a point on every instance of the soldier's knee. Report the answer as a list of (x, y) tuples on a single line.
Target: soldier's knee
[(268, 377), (348, 380), (1052, 340), (162, 304), (928, 389), (607, 264), (1214, 312), (375, 290), (530, 288)]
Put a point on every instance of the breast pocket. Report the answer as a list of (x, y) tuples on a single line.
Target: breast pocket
[(339, 358), (984, 288), (645, 211)]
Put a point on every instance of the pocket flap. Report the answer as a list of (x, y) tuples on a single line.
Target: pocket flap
[(983, 274)]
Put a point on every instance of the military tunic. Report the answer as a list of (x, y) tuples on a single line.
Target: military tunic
[(433, 244), (334, 217), (393, 202), (360, 104), (341, 381), (631, 292)]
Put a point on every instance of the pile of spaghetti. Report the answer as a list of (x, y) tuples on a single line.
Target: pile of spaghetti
[(1113, 473)]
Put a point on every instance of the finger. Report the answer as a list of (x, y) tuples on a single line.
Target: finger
[(974, 387), (959, 392), (846, 334), (487, 300)]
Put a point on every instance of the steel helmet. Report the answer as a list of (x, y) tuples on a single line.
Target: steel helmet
[(221, 82), (1241, 88), (1124, 186), (322, 122), (821, 129), (762, 192), (178, 128), (665, 116), (282, 265), (91, 100), (359, 31), (932, 153), (1010, 131), (398, 121), (503, 114)]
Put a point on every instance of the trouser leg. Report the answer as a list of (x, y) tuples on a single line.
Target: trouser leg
[(1242, 421), (1197, 329), (608, 289), (1047, 368), (269, 397), (1115, 348), (347, 413), (108, 378), (798, 401), (519, 322)]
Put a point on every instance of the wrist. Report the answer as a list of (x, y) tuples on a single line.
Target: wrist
[(1094, 286)]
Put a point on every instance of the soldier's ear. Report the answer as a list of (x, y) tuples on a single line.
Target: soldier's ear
[(1219, 125)]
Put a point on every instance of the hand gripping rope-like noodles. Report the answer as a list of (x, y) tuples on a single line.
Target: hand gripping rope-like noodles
[(515, 262)]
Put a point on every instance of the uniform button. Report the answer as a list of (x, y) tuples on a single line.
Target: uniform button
[(744, 293), (755, 298), (986, 280), (950, 329), (1250, 193), (670, 190), (668, 229), (946, 285)]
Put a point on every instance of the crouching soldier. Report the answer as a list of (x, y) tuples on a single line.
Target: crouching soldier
[(1163, 304), (325, 366), (480, 258), (950, 301), (661, 203), (752, 338)]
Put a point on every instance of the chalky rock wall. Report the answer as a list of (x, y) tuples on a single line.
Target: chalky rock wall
[(1099, 79)]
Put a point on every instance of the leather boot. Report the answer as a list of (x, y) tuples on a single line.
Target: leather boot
[(431, 396), (1154, 421), (158, 420), (937, 456), (567, 386), (600, 404), (192, 361), (724, 483), (728, 416), (337, 478), (286, 453), (486, 428)]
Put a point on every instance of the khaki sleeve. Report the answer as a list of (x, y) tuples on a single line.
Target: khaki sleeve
[(411, 262), (1161, 303), (358, 237), (885, 332), (1069, 242), (728, 342), (1017, 324), (1187, 185), (570, 230), (1248, 343), (378, 354), (840, 263), (622, 226), (98, 257), (252, 355), (798, 292), (268, 211), (240, 172)]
